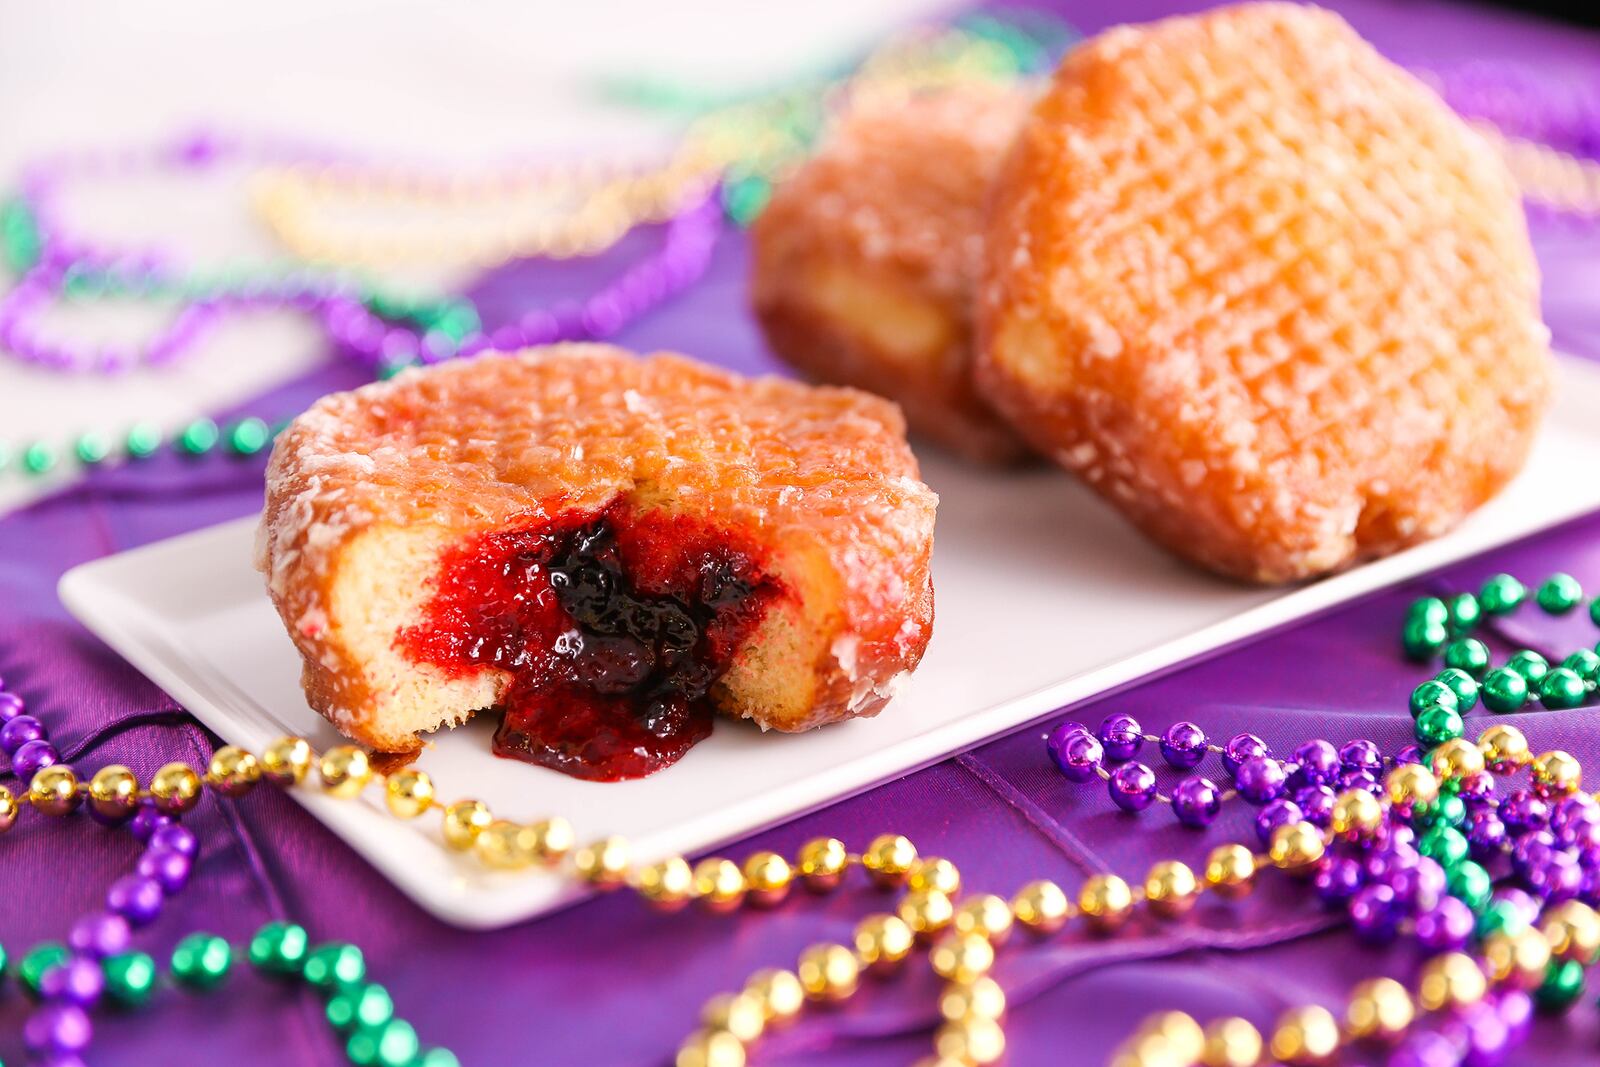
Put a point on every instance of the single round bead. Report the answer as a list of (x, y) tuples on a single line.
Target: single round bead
[(985, 915), (1421, 639), (1171, 889), (1183, 744), (1079, 757), (718, 884), (9, 809), (114, 793), (1468, 654), (171, 837), (1559, 594), (973, 1040), (143, 440), (130, 978), (1316, 804), (1121, 736), (888, 859), (1469, 883), (1562, 688), (710, 1048), (1241, 748), (1529, 664), (882, 941), (1463, 685), (1231, 1042), (286, 760), (1295, 846), (1196, 802), (464, 821), (604, 864), (1465, 612), (1338, 878), (1411, 784), (926, 911), (1230, 870), (667, 885), (767, 877), (1274, 814), (278, 948), (1375, 912), (40, 458), (1501, 594), (1556, 773), (33, 757), (11, 705), (146, 822), (54, 791), (1455, 759), (1318, 762), (937, 874), (1105, 901), (1437, 725), (232, 771), (1432, 694), (1444, 844), (779, 993), (199, 437), (1260, 779), (169, 869), (822, 862), (175, 789), (983, 998), (1523, 810), (344, 771), (740, 1014), (1429, 609), (408, 793), (57, 1028), (1446, 927), (1562, 986), (1360, 755), (18, 731), (1132, 786), (1379, 1008), (201, 961), (1356, 813), (831, 972), (1585, 664), (1307, 1035), (76, 980), (1504, 690), (248, 436), (1504, 749), (367, 1006), (135, 897), (1041, 907), (99, 935), (1055, 742), (1409, 754)]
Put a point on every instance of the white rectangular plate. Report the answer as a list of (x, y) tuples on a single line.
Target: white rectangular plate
[(1044, 598)]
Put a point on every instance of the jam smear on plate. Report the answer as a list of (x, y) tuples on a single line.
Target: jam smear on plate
[(614, 626)]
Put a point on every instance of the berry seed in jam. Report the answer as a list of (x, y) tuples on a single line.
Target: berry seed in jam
[(614, 627)]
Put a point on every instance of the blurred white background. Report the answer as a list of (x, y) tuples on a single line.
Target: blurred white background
[(442, 83)]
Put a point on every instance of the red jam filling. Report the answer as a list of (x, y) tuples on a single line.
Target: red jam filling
[(614, 627)]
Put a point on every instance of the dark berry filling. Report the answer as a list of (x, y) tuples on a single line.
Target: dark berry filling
[(614, 626)]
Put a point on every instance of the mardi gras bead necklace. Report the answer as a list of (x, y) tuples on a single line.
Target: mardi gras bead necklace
[(1392, 855)]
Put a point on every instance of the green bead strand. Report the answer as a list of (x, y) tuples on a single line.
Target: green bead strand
[(130, 978), (1586, 665), (1501, 595), (37, 960), (1444, 844), (202, 961), (1470, 883), (397, 1044), (20, 239), (1559, 594), (199, 437), (278, 948)]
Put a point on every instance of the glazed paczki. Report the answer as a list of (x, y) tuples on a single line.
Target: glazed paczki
[(605, 547), (1264, 291), (866, 261)]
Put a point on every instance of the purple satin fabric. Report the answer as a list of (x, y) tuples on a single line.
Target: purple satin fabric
[(610, 983)]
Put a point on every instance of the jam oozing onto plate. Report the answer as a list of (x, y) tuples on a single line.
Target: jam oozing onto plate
[(614, 627)]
